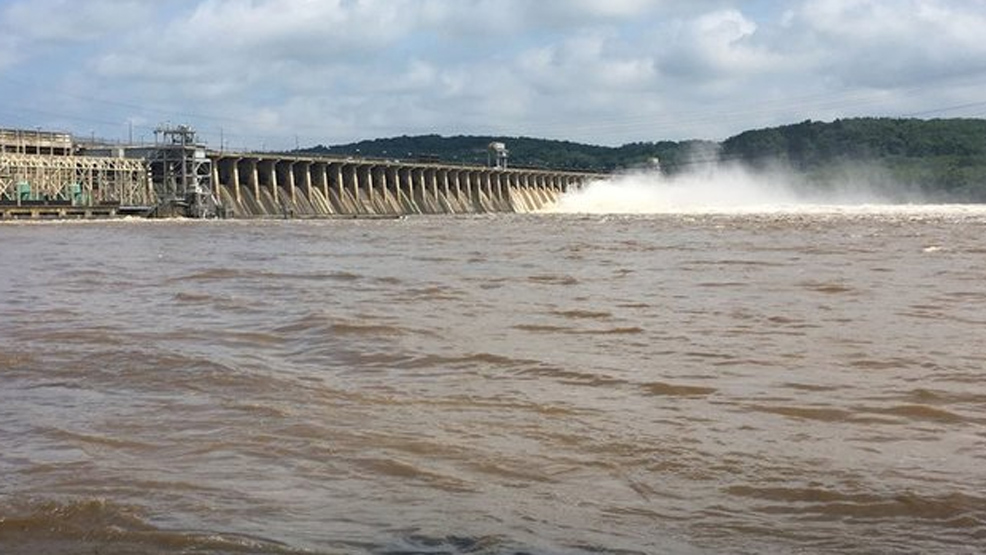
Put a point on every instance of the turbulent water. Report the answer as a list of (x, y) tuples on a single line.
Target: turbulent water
[(781, 382)]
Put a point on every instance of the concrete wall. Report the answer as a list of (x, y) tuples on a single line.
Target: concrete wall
[(251, 185)]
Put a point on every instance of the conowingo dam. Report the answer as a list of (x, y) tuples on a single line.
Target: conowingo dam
[(52, 175)]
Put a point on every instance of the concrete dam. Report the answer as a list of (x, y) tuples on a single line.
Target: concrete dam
[(48, 175), (252, 185)]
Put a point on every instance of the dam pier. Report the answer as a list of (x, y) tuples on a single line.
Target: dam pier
[(50, 175), (258, 185)]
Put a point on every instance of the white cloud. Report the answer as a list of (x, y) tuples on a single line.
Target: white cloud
[(29, 29), (239, 32), (882, 44), (583, 62), (716, 45), (583, 11), (65, 21), (611, 72)]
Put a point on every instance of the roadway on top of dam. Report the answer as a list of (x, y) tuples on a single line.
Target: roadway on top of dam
[(422, 162)]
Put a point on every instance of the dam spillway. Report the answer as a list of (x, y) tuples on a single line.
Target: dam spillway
[(49, 175), (253, 185)]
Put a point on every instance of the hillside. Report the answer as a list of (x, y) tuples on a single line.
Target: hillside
[(944, 158), (524, 151)]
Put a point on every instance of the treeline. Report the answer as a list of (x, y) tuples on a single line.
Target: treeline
[(944, 158), (526, 152)]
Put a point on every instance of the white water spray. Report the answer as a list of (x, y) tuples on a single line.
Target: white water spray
[(733, 188)]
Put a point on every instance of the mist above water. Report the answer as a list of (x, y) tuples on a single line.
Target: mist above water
[(735, 188)]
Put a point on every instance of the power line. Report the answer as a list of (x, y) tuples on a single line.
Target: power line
[(946, 109)]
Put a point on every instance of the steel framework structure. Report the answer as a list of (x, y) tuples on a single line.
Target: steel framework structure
[(78, 180), (181, 173)]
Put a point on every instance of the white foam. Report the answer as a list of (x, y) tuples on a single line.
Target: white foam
[(732, 189)]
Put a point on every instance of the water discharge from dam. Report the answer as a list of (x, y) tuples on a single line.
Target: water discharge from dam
[(730, 189), (291, 202), (263, 186)]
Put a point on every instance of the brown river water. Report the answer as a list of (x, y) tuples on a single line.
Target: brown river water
[(789, 382)]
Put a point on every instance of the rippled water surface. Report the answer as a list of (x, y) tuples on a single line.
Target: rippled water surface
[(753, 383)]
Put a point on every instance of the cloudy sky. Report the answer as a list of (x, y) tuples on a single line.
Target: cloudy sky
[(276, 73)]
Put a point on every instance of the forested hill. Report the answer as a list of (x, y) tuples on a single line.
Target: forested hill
[(524, 151), (944, 156)]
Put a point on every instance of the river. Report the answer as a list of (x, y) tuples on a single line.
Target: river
[(805, 381)]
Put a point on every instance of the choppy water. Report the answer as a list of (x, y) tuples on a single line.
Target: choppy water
[(750, 383)]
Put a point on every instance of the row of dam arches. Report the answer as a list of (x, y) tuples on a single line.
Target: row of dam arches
[(255, 186)]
